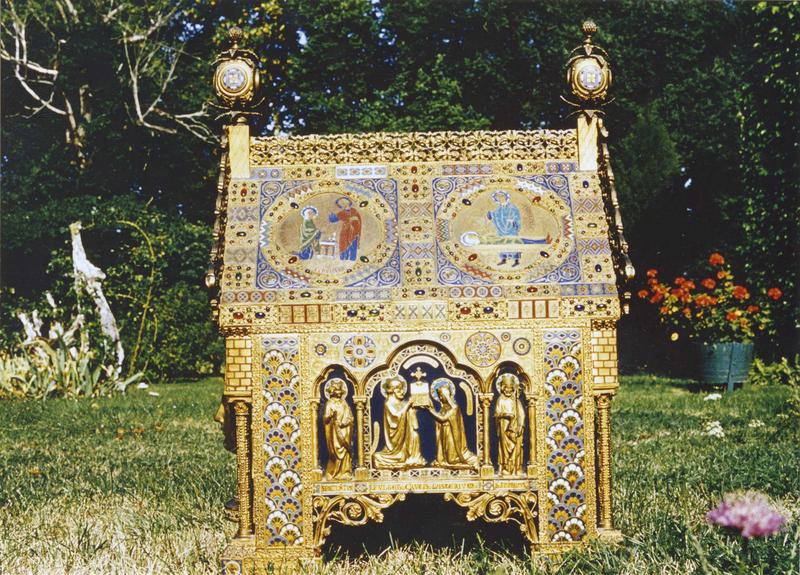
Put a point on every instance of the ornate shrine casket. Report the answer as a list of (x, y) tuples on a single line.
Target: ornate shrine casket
[(422, 312)]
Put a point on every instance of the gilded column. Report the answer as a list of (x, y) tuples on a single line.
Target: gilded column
[(486, 465), (242, 410), (532, 459), (604, 460), (316, 471), (361, 471)]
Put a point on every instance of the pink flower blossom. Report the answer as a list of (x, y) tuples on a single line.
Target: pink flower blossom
[(750, 514)]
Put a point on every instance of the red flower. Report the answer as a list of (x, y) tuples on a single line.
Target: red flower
[(663, 309), (731, 316), (688, 285), (687, 312), (716, 259), (722, 274), (643, 293), (678, 292), (652, 281), (704, 300), (774, 293), (679, 280), (708, 283), (651, 273), (740, 292), (752, 308), (657, 297)]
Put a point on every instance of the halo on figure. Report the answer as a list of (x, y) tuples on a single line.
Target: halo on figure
[(340, 201), (385, 384), (504, 376), (334, 381), (440, 383), (501, 193), (309, 209)]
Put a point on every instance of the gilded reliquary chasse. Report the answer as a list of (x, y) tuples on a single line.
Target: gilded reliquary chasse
[(418, 313)]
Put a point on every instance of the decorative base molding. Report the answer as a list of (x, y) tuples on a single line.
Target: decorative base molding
[(499, 507)]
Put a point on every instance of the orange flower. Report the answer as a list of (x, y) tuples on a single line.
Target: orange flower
[(732, 315), (652, 281), (744, 322), (663, 309), (740, 292), (752, 308), (704, 300), (774, 293), (643, 293), (679, 280), (687, 312), (688, 285), (677, 292), (651, 273), (657, 297), (708, 283), (722, 274), (716, 259)]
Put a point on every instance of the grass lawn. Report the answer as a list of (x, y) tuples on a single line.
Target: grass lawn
[(136, 484)]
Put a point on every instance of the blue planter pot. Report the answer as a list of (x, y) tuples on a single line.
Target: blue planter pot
[(724, 363)]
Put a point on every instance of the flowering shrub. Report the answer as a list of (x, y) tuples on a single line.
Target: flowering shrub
[(750, 514), (712, 309)]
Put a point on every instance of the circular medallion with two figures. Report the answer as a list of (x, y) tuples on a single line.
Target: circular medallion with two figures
[(329, 236)]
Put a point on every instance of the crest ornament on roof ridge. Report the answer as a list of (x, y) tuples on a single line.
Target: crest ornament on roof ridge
[(588, 71)]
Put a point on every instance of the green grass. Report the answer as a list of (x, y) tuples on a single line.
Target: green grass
[(136, 484)]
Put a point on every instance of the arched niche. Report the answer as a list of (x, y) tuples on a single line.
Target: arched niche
[(422, 364), (318, 407)]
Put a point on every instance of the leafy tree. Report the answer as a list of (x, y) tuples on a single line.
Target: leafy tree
[(765, 218)]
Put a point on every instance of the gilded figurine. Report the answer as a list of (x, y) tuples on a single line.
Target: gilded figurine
[(400, 429), (509, 415), (451, 439), (338, 420)]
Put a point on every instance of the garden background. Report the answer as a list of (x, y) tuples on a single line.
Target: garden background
[(107, 119)]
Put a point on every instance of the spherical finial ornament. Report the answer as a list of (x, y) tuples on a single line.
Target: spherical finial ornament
[(588, 72), (235, 35), (236, 78)]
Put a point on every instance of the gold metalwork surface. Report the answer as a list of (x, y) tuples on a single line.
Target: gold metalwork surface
[(414, 147), (500, 507), (349, 510)]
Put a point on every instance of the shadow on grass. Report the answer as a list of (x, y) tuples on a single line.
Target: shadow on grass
[(424, 519)]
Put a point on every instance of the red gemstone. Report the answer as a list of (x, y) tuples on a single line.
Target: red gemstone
[(416, 229), (465, 311), (473, 257), (292, 259), (532, 289), (415, 188), (238, 315), (413, 169)]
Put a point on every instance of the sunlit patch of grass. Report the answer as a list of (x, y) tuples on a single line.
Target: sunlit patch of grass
[(136, 484)]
